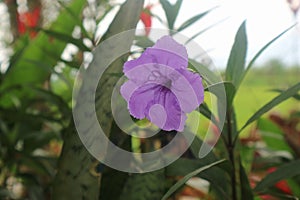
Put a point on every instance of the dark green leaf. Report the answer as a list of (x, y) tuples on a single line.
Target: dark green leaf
[(67, 38), (36, 48), (143, 42), (23, 72), (171, 11), (209, 76), (192, 20), (274, 102), (247, 193), (272, 135), (74, 179), (285, 171), (205, 111), (225, 92), (180, 183), (146, 186), (236, 62), (296, 96), (218, 178)]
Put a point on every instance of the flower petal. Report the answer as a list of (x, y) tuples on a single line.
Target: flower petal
[(196, 82), (166, 52), (127, 89), (174, 119), (168, 44), (141, 99)]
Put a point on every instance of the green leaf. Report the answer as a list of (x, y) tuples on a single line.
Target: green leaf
[(67, 38), (272, 135), (264, 48), (76, 177), (225, 92), (192, 20), (23, 72), (112, 184), (146, 186), (171, 11), (296, 96), (206, 112), (180, 183), (218, 177), (247, 193), (285, 171), (202, 31), (143, 41), (33, 141), (56, 100), (113, 181), (209, 76), (274, 102), (236, 62), (35, 49)]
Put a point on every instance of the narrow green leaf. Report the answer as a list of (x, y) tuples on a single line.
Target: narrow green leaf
[(272, 135), (247, 193), (217, 176), (236, 62), (296, 96), (21, 71), (264, 48), (36, 48), (180, 183), (225, 90), (171, 11), (283, 172), (143, 41), (206, 112), (192, 20), (209, 76), (274, 102), (55, 99), (204, 30), (67, 38)]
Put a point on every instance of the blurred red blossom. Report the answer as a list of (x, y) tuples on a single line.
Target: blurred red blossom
[(146, 18), (27, 21), (281, 185)]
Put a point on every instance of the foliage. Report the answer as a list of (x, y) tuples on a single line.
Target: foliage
[(42, 157)]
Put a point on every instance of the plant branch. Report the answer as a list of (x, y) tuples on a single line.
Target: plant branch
[(230, 150)]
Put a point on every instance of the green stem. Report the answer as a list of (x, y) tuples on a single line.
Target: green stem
[(230, 150)]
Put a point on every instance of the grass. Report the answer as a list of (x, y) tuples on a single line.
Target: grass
[(256, 91)]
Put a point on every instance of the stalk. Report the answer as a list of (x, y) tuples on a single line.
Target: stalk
[(230, 150)]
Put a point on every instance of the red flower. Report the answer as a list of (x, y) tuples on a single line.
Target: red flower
[(146, 18), (281, 185), (28, 20)]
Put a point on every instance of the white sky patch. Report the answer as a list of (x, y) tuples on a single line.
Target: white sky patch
[(265, 20)]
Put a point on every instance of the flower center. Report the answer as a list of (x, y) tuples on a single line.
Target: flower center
[(168, 83)]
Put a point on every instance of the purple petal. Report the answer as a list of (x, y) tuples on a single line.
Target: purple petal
[(157, 115), (189, 91), (167, 43), (171, 118), (196, 82), (140, 99), (166, 52), (127, 89)]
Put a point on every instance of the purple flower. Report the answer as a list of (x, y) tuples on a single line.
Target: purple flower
[(160, 87)]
